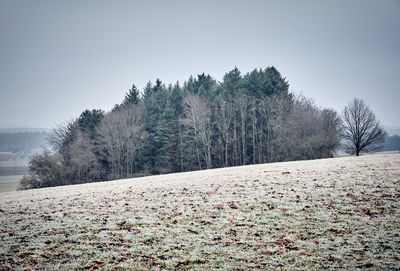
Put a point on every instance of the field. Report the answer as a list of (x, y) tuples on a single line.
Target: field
[(11, 171), (341, 213), (11, 167), (9, 183)]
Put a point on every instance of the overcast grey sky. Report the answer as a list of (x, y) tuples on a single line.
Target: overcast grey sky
[(58, 58)]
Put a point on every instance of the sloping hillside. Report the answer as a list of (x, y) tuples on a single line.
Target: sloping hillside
[(333, 213)]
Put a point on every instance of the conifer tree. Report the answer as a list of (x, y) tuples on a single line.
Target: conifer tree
[(148, 90), (232, 83), (132, 96), (163, 139)]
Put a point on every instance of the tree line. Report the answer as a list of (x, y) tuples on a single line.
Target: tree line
[(22, 141), (392, 143), (202, 124)]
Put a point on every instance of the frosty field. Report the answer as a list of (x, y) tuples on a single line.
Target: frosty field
[(9, 183), (341, 213)]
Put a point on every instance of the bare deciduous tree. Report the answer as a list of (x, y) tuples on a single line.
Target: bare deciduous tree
[(198, 118), (315, 132), (123, 134), (224, 112), (242, 104), (83, 160), (361, 130), (46, 171), (276, 112), (331, 128)]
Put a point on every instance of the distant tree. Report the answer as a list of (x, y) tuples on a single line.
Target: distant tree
[(203, 85), (154, 101), (159, 86), (122, 137), (198, 121), (84, 166), (331, 130), (361, 130), (265, 82), (253, 82), (89, 120), (392, 143), (232, 83), (315, 132), (46, 171), (132, 96), (275, 111), (224, 119), (242, 104), (148, 90), (62, 137), (273, 82), (306, 128), (164, 140), (22, 141)]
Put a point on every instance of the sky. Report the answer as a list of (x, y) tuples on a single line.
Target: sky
[(58, 58)]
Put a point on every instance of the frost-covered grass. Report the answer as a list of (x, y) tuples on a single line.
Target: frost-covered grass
[(341, 213)]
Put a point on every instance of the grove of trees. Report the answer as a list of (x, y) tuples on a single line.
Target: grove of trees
[(392, 143), (245, 119), (22, 141)]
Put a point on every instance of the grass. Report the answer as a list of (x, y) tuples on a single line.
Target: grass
[(340, 213)]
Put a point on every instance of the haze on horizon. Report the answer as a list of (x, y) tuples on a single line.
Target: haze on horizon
[(59, 58)]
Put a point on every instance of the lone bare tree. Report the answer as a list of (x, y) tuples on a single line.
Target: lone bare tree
[(361, 130)]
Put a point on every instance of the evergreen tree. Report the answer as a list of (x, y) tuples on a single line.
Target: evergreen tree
[(132, 96), (148, 90), (190, 85), (154, 102), (159, 86), (260, 83), (203, 85), (88, 121), (164, 140), (176, 97), (253, 82), (273, 82), (232, 83)]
